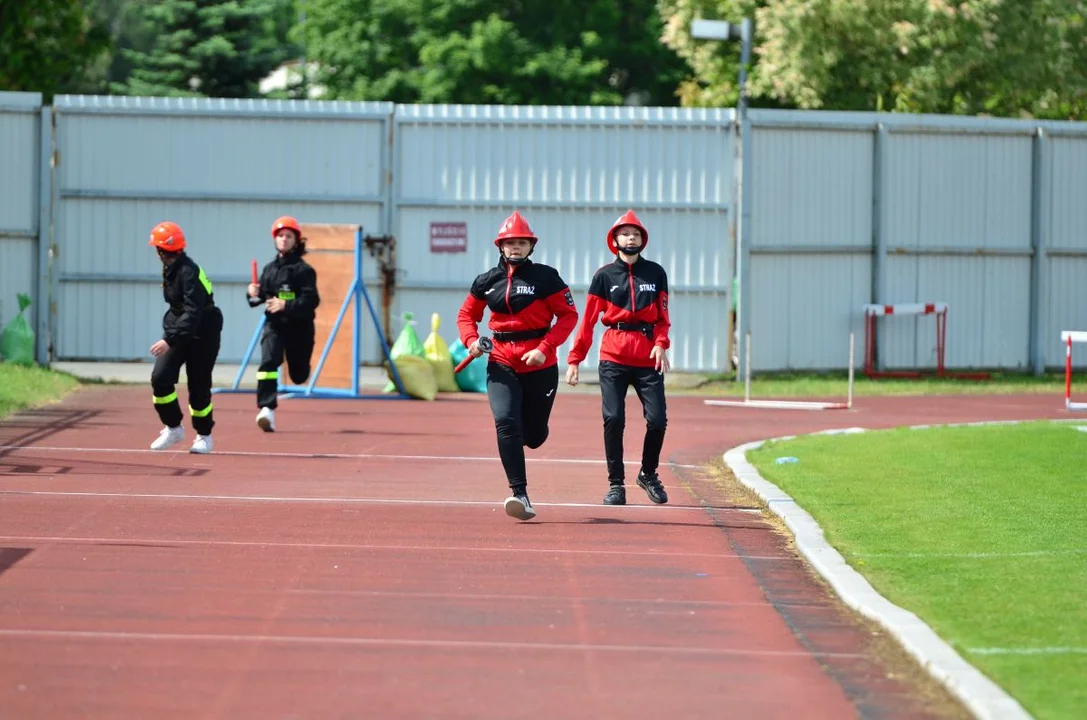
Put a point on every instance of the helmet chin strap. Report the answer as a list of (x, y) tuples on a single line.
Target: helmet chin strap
[(518, 261), (631, 251)]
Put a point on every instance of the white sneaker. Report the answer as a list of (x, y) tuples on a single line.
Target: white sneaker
[(518, 506), (169, 437), (266, 419), (202, 445)]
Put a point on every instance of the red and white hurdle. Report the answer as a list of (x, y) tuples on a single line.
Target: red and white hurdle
[(1068, 337), (785, 404), (939, 309)]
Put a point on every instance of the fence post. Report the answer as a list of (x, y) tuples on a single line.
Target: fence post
[(1040, 192), (879, 234), (44, 297)]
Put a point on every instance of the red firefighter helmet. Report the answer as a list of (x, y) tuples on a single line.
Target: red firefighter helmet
[(515, 226), (286, 222), (168, 237), (628, 218)]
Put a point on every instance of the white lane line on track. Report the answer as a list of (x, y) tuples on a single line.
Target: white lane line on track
[(69, 635), (463, 549), (322, 456)]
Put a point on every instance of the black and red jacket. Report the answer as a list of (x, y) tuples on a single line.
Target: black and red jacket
[(523, 300), (634, 300)]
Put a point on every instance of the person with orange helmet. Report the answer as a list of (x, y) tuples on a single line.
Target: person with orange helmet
[(522, 371), (191, 331), (288, 290), (632, 294)]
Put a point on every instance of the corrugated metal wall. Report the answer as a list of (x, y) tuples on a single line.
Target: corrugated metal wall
[(810, 231), (851, 208), (19, 207), (958, 230), (1063, 303), (840, 209), (572, 172), (223, 170)]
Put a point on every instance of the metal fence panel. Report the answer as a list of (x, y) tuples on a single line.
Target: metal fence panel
[(223, 170), (811, 232), (571, 172), (1065, 273), (958, 192), (803, 309), (958, 231), (19, 148), (844, 209)]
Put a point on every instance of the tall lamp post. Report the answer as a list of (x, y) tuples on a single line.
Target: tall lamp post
[(722, 31)]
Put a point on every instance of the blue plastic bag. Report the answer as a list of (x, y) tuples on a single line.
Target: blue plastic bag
[(474, 377)]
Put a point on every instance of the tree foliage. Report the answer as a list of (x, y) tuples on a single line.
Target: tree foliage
[(933, 56), (46, 45), (996, 57), (211, 48), (491, 51)]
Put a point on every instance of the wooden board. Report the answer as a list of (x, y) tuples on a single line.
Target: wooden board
[(331, 253)]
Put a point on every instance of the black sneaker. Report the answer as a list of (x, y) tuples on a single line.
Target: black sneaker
[(518, 506), (653, 488), (617, 495)]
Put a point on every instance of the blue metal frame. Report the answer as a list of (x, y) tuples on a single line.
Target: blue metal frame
[(358, 293)]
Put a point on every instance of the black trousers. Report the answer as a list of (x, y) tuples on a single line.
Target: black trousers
[(521, 404), (198, 356), (295, 341), (649, 385)]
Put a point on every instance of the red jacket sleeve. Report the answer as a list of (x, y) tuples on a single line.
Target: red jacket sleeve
[(663, 324), (584, 339), (562, 304), (468, 319)]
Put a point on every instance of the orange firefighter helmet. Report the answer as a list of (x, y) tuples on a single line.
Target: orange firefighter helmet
[(168, 237), (286, 222)]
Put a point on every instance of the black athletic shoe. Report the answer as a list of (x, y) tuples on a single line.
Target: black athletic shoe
[(653, 488), (617, 495)]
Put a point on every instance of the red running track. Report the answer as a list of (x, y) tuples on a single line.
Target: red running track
[(358, 564)]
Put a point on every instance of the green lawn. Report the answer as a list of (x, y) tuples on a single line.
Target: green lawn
[(980, 531), (22, 387)]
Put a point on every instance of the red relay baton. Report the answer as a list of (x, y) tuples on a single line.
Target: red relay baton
[(485, 345), (256, 281)]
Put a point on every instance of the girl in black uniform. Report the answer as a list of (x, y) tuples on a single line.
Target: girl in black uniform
[(191, 329), (288, 289), (522, 372)]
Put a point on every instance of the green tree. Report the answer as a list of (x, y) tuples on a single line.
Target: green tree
[(210, 48), (120, 22), (489, 51), (713, 80), (933, 56), (46, 44)]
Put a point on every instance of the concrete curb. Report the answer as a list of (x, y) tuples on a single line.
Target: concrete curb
[(979, 694)]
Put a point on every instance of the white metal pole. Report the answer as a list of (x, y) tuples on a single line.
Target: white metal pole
[(849, 397), (747, 367)]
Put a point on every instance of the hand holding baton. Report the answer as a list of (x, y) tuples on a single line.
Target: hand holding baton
[(485, 344)]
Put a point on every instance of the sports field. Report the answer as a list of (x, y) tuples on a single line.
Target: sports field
[(980, 531)]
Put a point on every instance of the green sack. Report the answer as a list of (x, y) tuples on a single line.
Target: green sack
[(17, 341), (473, 378), (407, 343)]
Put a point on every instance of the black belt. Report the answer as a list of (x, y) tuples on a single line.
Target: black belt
[(180, 309), (644, 328), (521, 335)]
